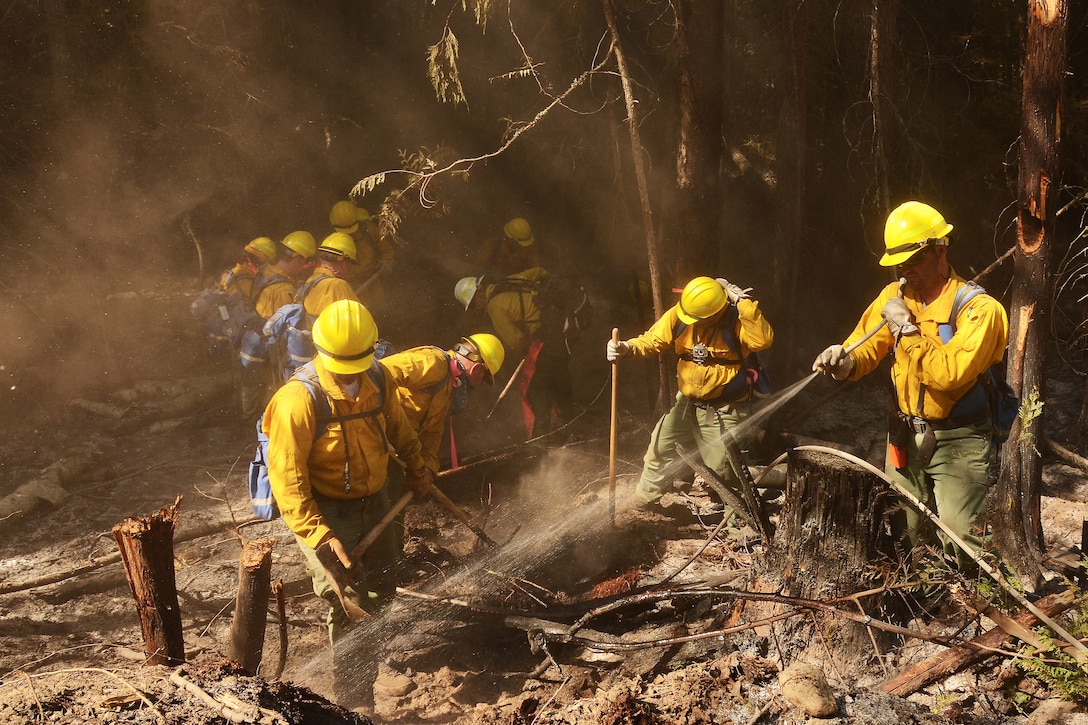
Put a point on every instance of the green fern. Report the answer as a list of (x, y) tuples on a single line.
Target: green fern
[(1057, 670)]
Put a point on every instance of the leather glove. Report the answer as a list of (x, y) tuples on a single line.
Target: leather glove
[(419, 483), (615, 350), (735, 293), (337, 547), (385, 266), (834, 360), (900, 321)]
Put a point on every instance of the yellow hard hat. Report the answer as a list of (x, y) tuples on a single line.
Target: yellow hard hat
[(465, 290), (518, 230), (340, 244), (702, 297), (263, 249), (344, 217), (363, 214), (301, 243), (911, 226), (486, 348), (345, 337)]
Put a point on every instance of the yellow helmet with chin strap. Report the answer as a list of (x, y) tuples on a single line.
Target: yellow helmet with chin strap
[(340, 244), (518, 229), (345, 337), (301, 243), (263, 249), (702, 297), (486, 348), (911, 227), (344, 217)]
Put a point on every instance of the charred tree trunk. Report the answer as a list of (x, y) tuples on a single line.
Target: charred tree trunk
[(830, 534), (251, 609), (791, 170), (699, 148), (1018, 531), (147, 552)]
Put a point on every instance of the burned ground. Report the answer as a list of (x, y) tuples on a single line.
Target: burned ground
[(469, 633)]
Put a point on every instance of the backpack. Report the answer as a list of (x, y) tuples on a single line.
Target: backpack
[(991, 390), (755, 375), (290, 326), (565, 307), (228, 316), (260, 488)]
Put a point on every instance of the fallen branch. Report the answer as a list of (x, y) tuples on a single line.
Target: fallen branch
[(1066, 455), (946, 663), (231, 707)]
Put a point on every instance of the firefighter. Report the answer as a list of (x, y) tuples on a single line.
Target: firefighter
[(526, 332), (374, 253), (332, 490), (432, 385), (255, 256), (712, 330), (337, 259), (513, 252), (939, 441)]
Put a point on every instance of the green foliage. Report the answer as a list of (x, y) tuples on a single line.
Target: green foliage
[(1031, 407), (442, 69), (1052, 666)]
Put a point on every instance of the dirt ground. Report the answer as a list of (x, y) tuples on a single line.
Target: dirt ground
[(466, 641)]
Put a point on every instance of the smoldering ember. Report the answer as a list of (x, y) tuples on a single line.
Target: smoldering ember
[(509, 363)]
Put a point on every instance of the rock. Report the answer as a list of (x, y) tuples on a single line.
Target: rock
[(390, 683), (805, 686), (1055, 711)]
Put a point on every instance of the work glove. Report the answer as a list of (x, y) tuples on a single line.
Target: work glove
[(735, 293), (900, 321), (419, 482), (615, 350), (385, 266), (337, 547), (834, 360)]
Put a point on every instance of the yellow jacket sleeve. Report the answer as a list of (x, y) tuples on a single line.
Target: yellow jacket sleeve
[(324, 293), (424, 386)]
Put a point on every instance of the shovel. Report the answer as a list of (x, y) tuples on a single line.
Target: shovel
[(338, 575)]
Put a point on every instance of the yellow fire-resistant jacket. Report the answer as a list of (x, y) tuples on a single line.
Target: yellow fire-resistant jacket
[(514, 315), (947, 371), (275, 294), (329, 289), (238, 278), (425, 387), (707, 381), (298, 465), (370, 248)]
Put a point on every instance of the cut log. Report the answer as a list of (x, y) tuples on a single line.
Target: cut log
[(250, 612), (831, 534), (147, 552), (946, 663)]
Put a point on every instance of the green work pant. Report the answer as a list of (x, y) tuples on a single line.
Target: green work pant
[(350, 521), (688, 425), (953, 485)]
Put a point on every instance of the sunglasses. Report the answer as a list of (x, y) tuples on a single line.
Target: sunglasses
[(916, 258)]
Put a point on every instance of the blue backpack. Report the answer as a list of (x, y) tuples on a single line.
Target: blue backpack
[(991, 391), (290, 325), (260, 488)]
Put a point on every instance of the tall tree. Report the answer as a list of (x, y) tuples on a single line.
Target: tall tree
[(1017, 526)]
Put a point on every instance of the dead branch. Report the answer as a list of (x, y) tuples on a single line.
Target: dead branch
[(1066, 455), (230, 707), (935, 668)]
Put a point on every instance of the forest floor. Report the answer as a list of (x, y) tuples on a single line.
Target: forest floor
[(473, 636)]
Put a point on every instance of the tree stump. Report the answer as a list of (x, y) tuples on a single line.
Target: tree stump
[(251, 610), (832, 541), (147, 552)]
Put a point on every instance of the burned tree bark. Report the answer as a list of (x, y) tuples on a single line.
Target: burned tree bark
[(831, 533), (147, 552), (1018, 531), (251, 609)]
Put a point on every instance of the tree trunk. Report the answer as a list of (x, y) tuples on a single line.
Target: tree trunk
[(791, 175), (147, 552), (830, 533), (699, 148), (1018, 531), (251, 609)]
